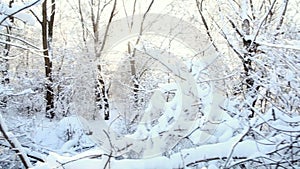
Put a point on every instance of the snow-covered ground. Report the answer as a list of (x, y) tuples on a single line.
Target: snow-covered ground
[(69, 146), (230, 144)]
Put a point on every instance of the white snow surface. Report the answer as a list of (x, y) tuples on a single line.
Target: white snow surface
[(246, 148), (227, 144)]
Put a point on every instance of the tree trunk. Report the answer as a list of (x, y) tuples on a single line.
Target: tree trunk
[(101, 89), (135, 79), (5, 77), (47, 33), (102, 94), (251, 49), (4, 61)]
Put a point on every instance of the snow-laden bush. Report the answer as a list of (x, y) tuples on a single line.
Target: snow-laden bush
[(73, 133)]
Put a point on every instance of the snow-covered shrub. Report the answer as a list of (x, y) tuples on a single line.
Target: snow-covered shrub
[(73, 133), (27, 96), (264, 42), (64, 96)]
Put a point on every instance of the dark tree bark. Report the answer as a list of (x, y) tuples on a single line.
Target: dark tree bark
[(134, 76), (47, 35), (4, 61), (101, 89), (5, 78)]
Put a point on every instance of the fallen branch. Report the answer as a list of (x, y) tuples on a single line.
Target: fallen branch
[(14, 143), (213, 159)]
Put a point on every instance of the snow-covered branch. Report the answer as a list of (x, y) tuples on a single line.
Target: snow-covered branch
[(14, 143), (18, 10)]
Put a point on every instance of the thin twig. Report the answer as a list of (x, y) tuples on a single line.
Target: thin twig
[(261, 23), (141, 28), (89, 156), (133, 13), (20, 39), (108, 160), (213, 159), (283, 14), (200, 10), (233, 147)]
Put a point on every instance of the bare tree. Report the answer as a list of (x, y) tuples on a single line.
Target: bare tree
[(96, 8), (7, 46), (47, 24), (132, 53), (4, 61), (47, 33), (255, 31)]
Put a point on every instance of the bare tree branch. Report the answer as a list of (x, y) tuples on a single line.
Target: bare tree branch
[(261, 23), (14, 143), (142, 27), (133, 13), (20, 39), (19, 10), (82, 22), (283, 14), (36, 17), (252, 9), (199, 6), (112, 14), (237, 142)]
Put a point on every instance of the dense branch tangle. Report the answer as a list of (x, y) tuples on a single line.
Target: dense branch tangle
[(242, 24), (132, 53), (96, 9), (247, 26)]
